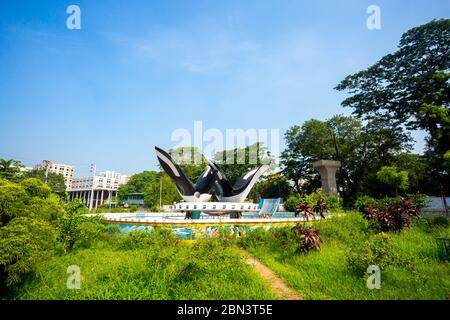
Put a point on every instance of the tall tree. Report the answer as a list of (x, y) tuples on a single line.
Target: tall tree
[(362, 150), (54, 180), (10, 169), (238, 161), (410, 88)]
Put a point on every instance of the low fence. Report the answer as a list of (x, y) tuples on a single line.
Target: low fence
[(436, 206)]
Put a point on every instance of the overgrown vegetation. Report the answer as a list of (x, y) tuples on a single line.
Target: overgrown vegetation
[(410, 268), (145, 266), (393, 217)]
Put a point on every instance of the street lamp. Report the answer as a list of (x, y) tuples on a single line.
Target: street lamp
[(91, 202)]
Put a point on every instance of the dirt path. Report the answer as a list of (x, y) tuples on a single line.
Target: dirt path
[(279, 287)]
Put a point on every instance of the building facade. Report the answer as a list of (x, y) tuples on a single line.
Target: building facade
[(97, 190), (67, 171)]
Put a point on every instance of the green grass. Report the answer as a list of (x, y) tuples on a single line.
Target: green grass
[(139, 266), (181, 271), (326, 274)]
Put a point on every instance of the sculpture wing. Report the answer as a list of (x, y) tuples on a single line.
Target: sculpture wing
[(206, 181), (248, 179), (174, 171)]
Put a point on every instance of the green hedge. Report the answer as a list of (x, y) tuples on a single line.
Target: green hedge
[(293, 201)]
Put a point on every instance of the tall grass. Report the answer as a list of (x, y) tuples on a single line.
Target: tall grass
[(153, 269), (327, 274)]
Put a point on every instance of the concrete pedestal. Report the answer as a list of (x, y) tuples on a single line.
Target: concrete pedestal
[(327, 170)]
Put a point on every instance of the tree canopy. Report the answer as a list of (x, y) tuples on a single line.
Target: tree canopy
[(362, 150), (410, 88)]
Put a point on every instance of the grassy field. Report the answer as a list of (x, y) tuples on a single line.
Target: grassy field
[(327, 274), (148, 267), (204, 270)]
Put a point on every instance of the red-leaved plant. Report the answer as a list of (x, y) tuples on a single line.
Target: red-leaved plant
[(321, 207), (308, 238), (304, 209), (394, 217)]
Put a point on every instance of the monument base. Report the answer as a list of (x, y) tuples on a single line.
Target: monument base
[(215, 206)]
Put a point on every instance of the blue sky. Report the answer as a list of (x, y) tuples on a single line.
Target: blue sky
[(138, 70)]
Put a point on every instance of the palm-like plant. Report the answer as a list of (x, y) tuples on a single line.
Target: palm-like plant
[(308, 238), (304, 209), (321, 207), (9, 168)]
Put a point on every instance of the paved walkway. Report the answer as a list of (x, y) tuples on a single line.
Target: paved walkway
[(278, 285)]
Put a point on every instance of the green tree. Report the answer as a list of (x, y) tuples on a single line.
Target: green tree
[(410, 88), (191, 160), (54, 180), (149, 183), (23, 242), (238, 161), (29, 212), (69, 227), (416, 168), (272, 186), (362, 150), (391, 176), (10, 169)]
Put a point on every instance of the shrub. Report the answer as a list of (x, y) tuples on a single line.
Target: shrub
[(69, 227), (333, 202), (23, 242), (440, 222), (419, 200), (377, 250), (291, 203), (321, 207), (365, 201), (91, 230), (134, 208), (393, 217), (308, 238)]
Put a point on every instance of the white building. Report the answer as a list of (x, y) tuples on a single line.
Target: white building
[(67, 171), (101, 188)]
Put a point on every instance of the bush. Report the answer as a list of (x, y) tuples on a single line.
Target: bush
[(23, 243), (393, 217), (439, 222), (308, 238), (291, 203), (333, 203), (134, 208), (377, 250), (91, 230), (69, 227), (365, 201), (419, 200)]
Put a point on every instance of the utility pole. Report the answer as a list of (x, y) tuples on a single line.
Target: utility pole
[(91, 202), (160, 192)]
